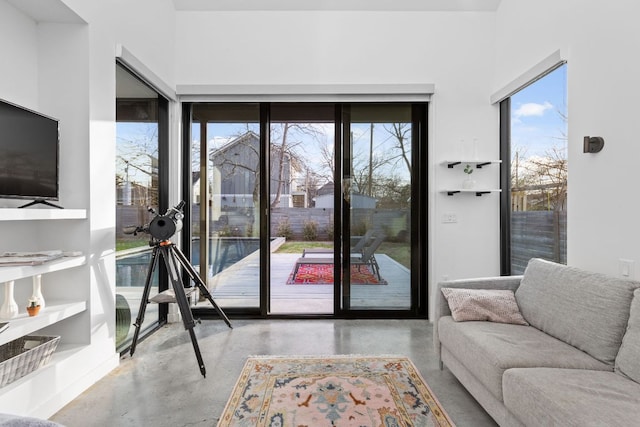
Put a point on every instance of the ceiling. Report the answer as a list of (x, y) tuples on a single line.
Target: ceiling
[(359, 5), (47, 11)]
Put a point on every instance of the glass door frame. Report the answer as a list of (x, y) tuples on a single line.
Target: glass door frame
[(419, 211)]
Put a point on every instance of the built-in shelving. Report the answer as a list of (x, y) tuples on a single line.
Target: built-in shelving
[(478, 164), (17, 214), (22, 271), (54, 312)]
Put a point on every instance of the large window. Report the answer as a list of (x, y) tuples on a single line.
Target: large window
[(140, 126), (534, 149)]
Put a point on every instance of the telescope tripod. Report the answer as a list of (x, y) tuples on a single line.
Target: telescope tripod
[(174, 259)]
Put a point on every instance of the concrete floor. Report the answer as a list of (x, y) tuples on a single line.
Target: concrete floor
[(161, 384)]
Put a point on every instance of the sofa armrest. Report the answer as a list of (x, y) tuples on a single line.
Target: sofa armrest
[(442, 308)]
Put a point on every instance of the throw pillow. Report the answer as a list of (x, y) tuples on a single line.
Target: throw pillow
[(493, 305)]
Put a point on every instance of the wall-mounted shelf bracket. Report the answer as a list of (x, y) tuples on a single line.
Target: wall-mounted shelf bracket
[(478, 192), (477, 163)]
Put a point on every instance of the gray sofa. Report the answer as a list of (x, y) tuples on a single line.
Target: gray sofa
[(576, 364)]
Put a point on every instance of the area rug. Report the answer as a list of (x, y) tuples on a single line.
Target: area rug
[(322, 274), (332, 391)]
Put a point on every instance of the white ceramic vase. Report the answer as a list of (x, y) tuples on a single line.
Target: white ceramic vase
[(468, 184), (9, 308), (37, 290)]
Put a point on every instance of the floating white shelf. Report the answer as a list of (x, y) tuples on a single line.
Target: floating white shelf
[(54, 312), (22, 271), (476, 191), (477, 163), (17, 214)]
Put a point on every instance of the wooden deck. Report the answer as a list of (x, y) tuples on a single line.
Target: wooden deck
[(238, 286)]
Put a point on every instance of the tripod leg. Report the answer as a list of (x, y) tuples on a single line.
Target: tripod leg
[(145, 299), (181, 300), (196, 349), (199, 282)]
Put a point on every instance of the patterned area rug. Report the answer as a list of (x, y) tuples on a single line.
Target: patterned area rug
[(322, 274), (340, 391)]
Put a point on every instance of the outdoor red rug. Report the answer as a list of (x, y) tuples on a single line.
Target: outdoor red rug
[(322, 274)]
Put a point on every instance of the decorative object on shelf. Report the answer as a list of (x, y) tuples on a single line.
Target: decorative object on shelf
[(9, 308), (468, 183), (24, 355), (33, 308), (37, 290)]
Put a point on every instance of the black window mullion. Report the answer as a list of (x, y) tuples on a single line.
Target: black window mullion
[(265, 210), (505, 185)]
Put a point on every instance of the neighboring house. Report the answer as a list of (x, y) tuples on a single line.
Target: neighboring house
[(236, 165), (324, 199)]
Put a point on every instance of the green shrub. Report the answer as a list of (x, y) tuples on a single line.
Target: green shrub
[(360, 228), (329, 229), (310, 230), (284, 229)]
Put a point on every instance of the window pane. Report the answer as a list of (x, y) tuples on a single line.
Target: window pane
[(380, 201), (539, 171), (230, 135), (301, 192), (137, 189)]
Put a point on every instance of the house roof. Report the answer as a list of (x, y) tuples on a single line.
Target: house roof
[(240, 139)]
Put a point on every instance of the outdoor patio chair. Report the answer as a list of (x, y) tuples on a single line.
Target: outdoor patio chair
[(367, 258), (355, 250)]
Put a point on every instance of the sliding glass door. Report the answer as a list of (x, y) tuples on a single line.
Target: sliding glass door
[(377, 187), (301, 203), (225, 201), (333, 230)]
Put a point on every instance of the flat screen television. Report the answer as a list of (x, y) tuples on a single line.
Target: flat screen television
[(29, 154)]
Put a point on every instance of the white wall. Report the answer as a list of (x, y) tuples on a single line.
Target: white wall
[(454, 51), (66, 68), (600, 42), (18, 44)]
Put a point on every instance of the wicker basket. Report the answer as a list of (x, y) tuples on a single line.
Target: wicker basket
[(24, 355)]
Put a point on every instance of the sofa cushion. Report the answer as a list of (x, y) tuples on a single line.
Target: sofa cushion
[(493, 305), (487, 349), (628, 359), (587, 310), (571, 397)]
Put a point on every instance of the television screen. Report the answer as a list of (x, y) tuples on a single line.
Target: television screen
[(28, 154)]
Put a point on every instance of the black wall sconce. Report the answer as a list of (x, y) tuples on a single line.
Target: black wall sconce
[(593, 144)]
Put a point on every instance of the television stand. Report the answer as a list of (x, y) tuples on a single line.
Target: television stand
[(40, 201)]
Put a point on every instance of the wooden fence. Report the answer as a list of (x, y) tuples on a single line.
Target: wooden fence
[(393, 223), (537, 234)]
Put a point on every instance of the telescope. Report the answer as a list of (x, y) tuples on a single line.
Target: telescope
[(161, 227)]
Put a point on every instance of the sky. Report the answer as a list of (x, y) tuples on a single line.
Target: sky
[(537, 126), (536, 115)]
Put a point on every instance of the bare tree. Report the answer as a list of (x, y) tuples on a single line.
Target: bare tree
[(283, 150), (402, 134)]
